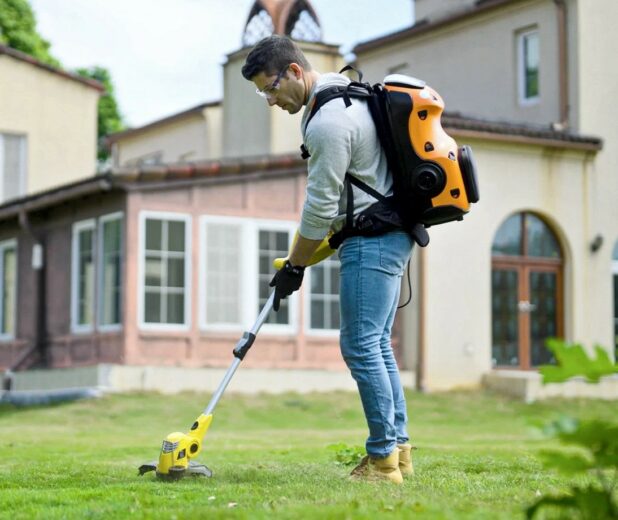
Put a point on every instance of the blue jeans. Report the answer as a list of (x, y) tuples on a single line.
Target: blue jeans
[(370, 282)]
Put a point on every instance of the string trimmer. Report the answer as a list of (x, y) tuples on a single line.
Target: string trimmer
[(178, 449)]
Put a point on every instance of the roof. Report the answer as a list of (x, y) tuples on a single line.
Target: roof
[(543, 135), (196, 110), (21, 56), (245, 169), (160, 177), (425, 25)]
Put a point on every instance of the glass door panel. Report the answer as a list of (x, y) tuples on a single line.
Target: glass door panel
[(543, 315), (505, 323)]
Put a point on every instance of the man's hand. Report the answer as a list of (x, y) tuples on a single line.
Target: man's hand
[(286, 280)]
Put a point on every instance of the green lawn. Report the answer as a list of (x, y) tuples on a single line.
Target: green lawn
[(476, 458)]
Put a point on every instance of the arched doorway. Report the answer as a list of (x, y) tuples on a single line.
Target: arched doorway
[(527, 292)]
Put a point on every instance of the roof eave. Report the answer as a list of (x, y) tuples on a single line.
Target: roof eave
[(112, 138), (21, 56), (424, 25)]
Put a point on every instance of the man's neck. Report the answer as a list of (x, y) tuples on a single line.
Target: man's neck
[(310, 78)]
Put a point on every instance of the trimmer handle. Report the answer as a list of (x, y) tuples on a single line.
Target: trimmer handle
[(245, 343)]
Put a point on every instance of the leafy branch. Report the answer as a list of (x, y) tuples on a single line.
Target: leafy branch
[(593, 443)]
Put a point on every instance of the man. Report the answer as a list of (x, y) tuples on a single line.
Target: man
[(343, 139)]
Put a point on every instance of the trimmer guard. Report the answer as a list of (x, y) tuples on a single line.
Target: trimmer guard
[(193, 469)]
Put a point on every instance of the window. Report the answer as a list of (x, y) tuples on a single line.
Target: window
[(223, 270), (12, 166), (236, 269), (324, 295), (96, 274), (529, 61), (271, 245), (164, 270), (83, 276), (615, 276), (110, 270), (8, 288), (527, 292)]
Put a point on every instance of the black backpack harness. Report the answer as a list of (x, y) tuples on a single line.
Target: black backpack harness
[(386, 214)]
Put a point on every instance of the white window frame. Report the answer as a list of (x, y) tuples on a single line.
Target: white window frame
[(521, 67), (170, 216), (7, 244), (275, 225), (329, 333), (249, 267), (23, 161), (82, 225), (110, 217)]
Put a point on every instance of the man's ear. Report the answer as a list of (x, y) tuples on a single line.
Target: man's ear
[(297, 70)]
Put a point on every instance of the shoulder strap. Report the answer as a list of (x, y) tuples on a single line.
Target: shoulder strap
[(365, 187), (353, 90)]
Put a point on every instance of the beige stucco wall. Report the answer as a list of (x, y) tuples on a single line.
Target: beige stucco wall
[(473, 63), (59, 117), (196, 136), (597, 91), (553, 183), (250, 126)]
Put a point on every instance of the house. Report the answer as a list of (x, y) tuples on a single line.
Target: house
[(166, 259), (41, 110)]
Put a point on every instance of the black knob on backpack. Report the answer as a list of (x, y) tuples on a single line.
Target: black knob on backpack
[(428, 179)]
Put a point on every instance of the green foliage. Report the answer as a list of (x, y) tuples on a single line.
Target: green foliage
[(572, 360), (593, 442), (110, 119), (590, 502), (18, 30), (347, 455)]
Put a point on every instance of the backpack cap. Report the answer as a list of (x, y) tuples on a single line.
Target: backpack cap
[(401, 80)]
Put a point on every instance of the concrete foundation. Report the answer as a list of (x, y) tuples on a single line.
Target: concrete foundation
[(529, 387), (170, 380)]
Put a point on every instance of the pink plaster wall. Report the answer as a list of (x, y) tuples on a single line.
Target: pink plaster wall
[(279, 198)]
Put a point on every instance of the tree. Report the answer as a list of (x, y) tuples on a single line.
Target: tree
[(18, 30), (109, 120)]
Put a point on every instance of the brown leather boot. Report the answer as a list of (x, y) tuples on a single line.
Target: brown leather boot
[(374, 469), (405, 459)]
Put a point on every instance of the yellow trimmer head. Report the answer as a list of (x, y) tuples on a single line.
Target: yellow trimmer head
[(177, 451)]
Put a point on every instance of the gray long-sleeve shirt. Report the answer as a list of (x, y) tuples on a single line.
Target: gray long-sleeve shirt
[(339, 140)]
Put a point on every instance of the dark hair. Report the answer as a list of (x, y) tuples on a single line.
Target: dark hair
[(271, 55)]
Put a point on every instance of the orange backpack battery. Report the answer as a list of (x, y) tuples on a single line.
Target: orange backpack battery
[(434, 180)]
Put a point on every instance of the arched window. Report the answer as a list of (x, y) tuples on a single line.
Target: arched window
[(295, 18), (615, 276), (527, 293), (259, 26)]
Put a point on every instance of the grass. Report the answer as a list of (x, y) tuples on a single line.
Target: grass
[(476, 458)]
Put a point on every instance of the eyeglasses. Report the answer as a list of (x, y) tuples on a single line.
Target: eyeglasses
[(270, 91)]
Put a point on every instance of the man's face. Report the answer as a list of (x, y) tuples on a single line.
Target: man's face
[(285, 89)]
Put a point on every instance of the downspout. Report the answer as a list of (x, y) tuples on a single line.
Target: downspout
[(38, 265), (561, 11)]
